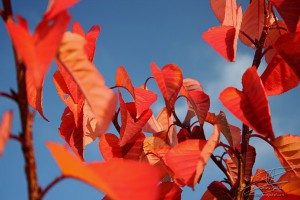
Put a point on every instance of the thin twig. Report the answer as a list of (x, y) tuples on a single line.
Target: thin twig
[(17, 138), (249, 38), (115, 121), (223, 169), (266, 50), (145, 84), (264, 139), (50, 185), (4, 94)]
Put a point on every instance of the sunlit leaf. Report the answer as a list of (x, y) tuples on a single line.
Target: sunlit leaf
[(74, 103), (287, 151), (91, 37), (130, 126), (100, 98), (188, 159), (149, 146), (279, 77), (169, 191), (91, 127), (253, 22), (5, 127), (232, 168), (225, 11), (169, 80), (277, 29), (71, 133), (109, 146), (119, 179), (57, 6), (216, 190), (123, 80), (198, 101), (34, 95), (251, 105), (222, 39), (289, 50), (37, 51), (289, 11)]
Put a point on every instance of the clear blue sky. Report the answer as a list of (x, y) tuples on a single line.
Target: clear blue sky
[(134, 34)]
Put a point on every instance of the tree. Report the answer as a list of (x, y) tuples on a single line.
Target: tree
[(178, 151)]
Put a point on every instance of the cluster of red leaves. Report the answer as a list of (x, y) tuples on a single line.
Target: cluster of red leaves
[(282, 37), (168, 159)]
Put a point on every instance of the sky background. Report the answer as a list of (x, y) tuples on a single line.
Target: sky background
[(134, 34)]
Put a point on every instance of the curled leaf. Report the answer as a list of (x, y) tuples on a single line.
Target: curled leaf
[(100, 98)]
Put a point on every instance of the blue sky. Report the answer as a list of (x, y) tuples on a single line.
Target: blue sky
[(134, 34)]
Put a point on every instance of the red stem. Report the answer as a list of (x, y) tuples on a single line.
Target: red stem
[(264, 139), (17, 138), (50, 185), (8, 96)]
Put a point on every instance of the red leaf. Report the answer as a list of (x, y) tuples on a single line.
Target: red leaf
[(250, 106), (100, 98), (169, 191), (37, 52), (279, 77), (73, 97), (71, 134), (123, 80), (91, 37), (109, 146), (169, 80), (225, 11), (55, 7), (134, 149), (5, 129), (289, 10), (219, 191), (34, 95), (232, 168), (130, 126), (289, 50), (223, 39), (150, 144), (77, 28), (253, 22), (143, 99), (277, 29), (198, 101), (188, 159), (218, 8), (286, 148), (119, 179), (265, 182), (91, 128)]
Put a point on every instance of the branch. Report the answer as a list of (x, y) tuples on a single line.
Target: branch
[(26, 117)]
